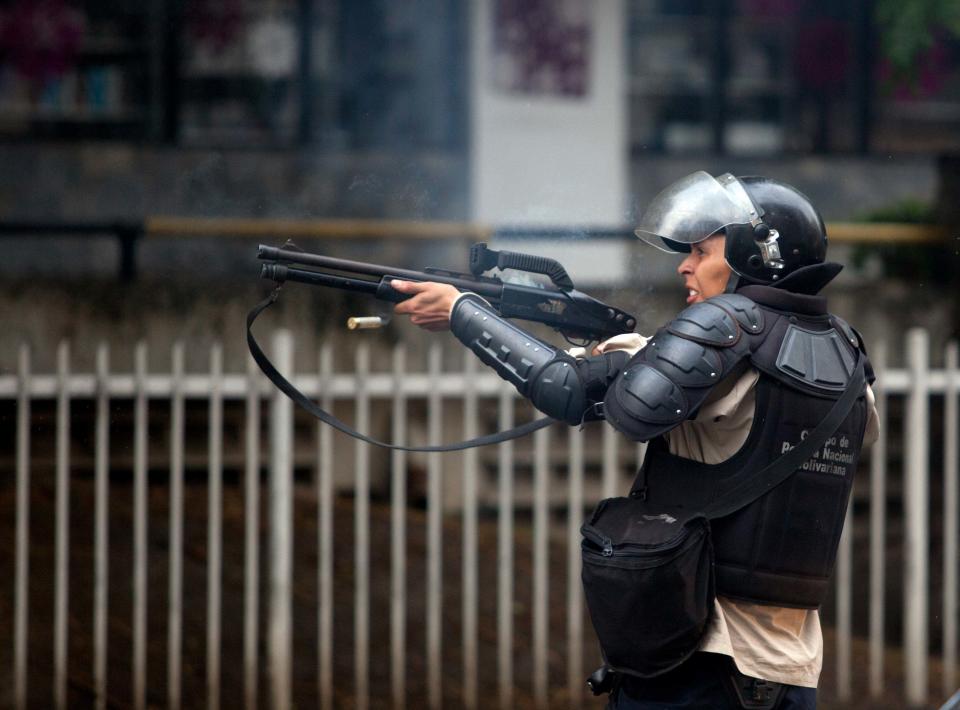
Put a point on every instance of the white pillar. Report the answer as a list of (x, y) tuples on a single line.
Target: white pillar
[(548, 156)]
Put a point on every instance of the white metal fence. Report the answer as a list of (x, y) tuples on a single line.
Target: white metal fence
[(416, 601)]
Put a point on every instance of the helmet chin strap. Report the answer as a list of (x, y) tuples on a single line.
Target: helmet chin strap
[(733, 282)]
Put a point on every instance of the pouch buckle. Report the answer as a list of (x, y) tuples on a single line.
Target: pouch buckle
[(601, 680)]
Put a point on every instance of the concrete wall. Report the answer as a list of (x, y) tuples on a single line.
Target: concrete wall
[(112, 181)]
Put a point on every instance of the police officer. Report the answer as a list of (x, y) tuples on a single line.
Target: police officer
[(743, 373)]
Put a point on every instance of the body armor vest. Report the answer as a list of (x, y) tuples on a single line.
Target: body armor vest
[(781, 548)]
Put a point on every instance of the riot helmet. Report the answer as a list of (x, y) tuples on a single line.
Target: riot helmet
[(771, 228)]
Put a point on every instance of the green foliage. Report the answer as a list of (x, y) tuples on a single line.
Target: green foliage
[(909, 262), (908, 28), (907, 211)]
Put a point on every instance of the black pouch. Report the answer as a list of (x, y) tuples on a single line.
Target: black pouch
[(649, 583)]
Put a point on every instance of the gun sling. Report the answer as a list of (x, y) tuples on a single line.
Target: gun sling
[(285, 386)]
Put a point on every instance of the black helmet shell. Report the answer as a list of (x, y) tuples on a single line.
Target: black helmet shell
[(801, 235)]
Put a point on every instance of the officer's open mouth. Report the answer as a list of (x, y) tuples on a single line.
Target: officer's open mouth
[(692, 295)]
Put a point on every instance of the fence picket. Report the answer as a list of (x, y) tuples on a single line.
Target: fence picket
[(505, 551), (434, 537), (916, 493), (101, 528), (281, 529), (214, 524), (251, 547), (22, 594), (575, 675), (844, 592), (541, 562), (398, 535), (62, 569), (325, 534), (140, 523), (951, 498), (611, 465), (175, 582), (361, 544), (469, 562), (878, 525)]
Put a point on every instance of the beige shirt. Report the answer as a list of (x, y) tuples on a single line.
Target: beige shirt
[(774, 643)]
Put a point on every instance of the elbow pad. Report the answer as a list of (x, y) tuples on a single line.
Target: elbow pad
[(548, 377)]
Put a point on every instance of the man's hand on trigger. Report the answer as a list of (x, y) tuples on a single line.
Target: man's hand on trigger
[(430, 304)]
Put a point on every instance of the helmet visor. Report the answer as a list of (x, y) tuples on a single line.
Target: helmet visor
[(693, 208)]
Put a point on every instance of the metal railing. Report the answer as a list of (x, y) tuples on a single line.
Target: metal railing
[(398, 389)]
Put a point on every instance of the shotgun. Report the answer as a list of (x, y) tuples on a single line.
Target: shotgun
[(559, 305)]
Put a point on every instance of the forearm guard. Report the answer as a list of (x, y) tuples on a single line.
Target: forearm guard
[(556, 384)]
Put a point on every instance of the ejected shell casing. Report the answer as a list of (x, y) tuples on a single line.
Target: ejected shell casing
[(364, 322)]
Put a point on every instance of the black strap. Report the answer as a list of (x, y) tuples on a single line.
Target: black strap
[(748, 489), (306, 403)]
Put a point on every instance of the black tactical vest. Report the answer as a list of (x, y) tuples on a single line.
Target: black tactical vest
[(781, 548)]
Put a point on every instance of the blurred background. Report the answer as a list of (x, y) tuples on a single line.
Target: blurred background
[(145, 150)]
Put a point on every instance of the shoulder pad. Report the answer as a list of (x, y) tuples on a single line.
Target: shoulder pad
[(666, 382), (707, 323), (685, 362), (669, 379), (817, 359), (748, 314), (650, 396)]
